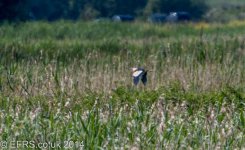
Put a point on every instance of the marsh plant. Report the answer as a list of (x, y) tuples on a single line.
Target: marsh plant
[(71, 81)]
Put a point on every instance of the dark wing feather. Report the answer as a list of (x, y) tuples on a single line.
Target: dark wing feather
[(144, 78), (136, 80)]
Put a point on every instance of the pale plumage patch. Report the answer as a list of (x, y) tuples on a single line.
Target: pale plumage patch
[(137, 73)]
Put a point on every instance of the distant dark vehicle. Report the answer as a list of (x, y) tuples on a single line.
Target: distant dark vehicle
[(123, 18), (178, 16), (157, 18)]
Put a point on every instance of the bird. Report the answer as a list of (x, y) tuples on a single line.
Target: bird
[(138, 74)]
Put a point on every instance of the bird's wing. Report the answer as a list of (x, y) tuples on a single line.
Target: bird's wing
[(136, 80), (137, 73), (144, 78)]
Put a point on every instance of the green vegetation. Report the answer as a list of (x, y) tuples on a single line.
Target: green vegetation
[(71, 81), (217, 3), (225, 11), (90, 9), (208, 10)]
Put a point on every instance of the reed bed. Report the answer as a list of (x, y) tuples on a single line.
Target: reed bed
[(71, 81)]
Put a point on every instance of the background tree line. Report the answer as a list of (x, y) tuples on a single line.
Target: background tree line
[(21, 10)]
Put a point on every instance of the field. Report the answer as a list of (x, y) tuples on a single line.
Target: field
[(71, 81), (225, 11), (217, 3)]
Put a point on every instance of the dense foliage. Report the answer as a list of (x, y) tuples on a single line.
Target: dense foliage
[(88, 9), (70, 82)]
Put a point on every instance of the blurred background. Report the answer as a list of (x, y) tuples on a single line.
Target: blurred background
[(198, 10)]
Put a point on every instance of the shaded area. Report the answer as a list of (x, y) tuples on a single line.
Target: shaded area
[(17, 10)]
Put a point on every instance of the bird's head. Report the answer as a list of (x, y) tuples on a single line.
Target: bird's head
[(134, 69)]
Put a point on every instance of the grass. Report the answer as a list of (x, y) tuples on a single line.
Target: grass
[(220, 2), (225, 11), (71, 81)]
